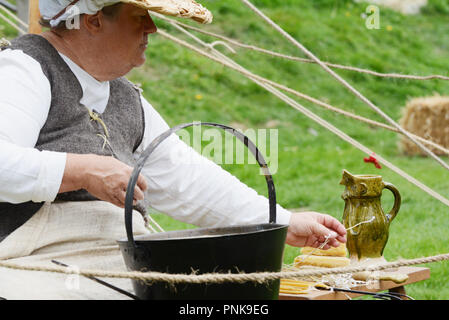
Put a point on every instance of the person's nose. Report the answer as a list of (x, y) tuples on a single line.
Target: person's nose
[(150, 26)]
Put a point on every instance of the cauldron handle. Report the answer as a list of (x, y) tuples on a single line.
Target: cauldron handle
[(153, 145)]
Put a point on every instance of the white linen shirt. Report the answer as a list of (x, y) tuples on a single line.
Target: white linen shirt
[(198, 192)]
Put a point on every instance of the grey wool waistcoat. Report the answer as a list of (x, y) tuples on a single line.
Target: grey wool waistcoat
[(71, 128)]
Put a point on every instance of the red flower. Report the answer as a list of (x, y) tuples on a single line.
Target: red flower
[(373, 160)]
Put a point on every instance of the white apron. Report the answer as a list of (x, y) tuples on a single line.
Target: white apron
[(80, 234)]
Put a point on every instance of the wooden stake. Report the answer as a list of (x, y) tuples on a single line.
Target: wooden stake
[(34, 16)]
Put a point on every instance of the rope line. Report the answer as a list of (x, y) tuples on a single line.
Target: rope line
[(311, 115), (345, 83), (12, 14), (16, 18), (259, 277), (180, 27), (304, 60), (15, 26)]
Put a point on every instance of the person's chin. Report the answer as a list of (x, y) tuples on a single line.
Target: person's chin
[(141, 63), (142, 59), (137, 63)]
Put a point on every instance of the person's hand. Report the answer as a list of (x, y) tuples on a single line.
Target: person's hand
[(104, 177), (310, 229)]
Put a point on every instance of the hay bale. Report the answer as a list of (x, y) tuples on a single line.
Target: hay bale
[(427, 117)]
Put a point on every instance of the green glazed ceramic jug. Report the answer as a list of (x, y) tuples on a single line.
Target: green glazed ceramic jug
[(363, 210)]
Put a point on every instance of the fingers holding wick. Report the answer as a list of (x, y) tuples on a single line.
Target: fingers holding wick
[(329, 241), (331, 238)]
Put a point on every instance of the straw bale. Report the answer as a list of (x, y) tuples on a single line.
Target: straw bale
[(427, 117)]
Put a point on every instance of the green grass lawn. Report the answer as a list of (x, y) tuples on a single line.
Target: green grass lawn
[(185, 87)]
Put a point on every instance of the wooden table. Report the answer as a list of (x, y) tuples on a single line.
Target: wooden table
[(415, 274)]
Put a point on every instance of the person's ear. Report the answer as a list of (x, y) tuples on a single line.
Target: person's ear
[(93, 22)]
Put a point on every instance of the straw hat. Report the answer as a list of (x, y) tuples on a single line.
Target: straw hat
[(178, 8), (56, 11)]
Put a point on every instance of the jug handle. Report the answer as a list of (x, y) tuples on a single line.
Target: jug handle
[(397, 201), (158, 140)]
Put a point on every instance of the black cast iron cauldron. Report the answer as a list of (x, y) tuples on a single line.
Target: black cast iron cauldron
[(242, 248)]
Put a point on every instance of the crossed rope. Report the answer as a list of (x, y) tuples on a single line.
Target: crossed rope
[(270, 86)]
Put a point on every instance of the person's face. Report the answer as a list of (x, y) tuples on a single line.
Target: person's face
[(127, 36)]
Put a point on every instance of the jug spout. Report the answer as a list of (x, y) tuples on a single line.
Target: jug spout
[(362, 185), (354, 186), (347, 178)]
